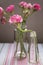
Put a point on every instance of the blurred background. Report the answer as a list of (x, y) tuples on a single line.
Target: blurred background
[(35, 22)]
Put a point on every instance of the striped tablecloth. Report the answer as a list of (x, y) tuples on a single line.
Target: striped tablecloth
[(7, 55)]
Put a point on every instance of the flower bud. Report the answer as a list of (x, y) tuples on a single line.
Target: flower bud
[(3, 20)]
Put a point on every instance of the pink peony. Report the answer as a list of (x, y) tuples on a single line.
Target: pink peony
[(1, 12), (10, 8), (15, 19), (29, 5), (36, 6), (23, 4)]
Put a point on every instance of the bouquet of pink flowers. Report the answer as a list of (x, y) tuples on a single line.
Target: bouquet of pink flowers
[(27, 9), (19, 21)]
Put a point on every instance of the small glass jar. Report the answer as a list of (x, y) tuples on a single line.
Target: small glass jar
[(20, 52), (33, 48)]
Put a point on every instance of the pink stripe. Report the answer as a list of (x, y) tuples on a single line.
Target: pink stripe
[(12, 60), (22, 62), (7, 54)]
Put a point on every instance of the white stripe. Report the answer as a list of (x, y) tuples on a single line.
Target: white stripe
[(3, 54)]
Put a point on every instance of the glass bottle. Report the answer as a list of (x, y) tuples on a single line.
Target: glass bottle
[(20, 52), (33, 48)]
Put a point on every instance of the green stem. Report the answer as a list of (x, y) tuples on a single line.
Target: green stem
[(17, 39), (24, 30), (21, 44)]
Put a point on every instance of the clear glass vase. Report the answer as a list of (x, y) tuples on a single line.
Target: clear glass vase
[(20, 52), (33, 48)]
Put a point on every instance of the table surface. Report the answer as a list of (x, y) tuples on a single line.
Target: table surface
[(7, 55)]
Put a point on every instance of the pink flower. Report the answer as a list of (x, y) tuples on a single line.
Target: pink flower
[(15, 19), (1, 12), (36, 6), (23, 4), (10, 8), (29, 5)]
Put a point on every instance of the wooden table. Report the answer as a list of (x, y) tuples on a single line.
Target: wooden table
[(7, 55)]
